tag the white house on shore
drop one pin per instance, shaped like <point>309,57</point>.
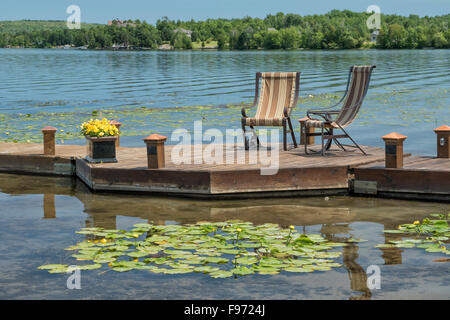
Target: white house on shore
<point>374,36</point>
<point>186,32</point>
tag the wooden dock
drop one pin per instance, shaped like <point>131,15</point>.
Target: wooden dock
<point>297,174</point>
<point>421,178</point>
<point>28,158</point>
<point>338,173</point>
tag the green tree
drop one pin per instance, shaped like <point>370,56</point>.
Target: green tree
<point>181,41</point>
<point>290,38</point>
<point>272,40</point>
<point>439,40</point>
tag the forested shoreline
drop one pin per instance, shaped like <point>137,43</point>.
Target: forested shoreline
<point>334,30</point>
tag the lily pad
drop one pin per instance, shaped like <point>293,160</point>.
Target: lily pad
<point>122,269</point>
<point>221,274</point>
<point>203,247</point>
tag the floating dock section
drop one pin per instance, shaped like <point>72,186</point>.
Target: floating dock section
<point>297,174</point>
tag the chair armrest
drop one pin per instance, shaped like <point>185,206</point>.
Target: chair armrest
<point>243,112</point>
<point>326,114</point>
<point>324,111</point>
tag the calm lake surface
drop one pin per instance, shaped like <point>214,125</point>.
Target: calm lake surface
<point>39,217</point>
<point>162,91</point>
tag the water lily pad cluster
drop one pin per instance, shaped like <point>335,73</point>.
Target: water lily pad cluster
<point>431,234</point>
<point>220,249</point>
<point>394,107</point>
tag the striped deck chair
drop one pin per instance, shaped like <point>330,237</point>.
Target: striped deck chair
<point>275,100</point>
<point>357,85</point>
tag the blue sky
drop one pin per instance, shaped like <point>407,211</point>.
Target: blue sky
<point>100,11</point>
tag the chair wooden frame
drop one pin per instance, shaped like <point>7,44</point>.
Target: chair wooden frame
<point>328,124</point>
<point>285,120</point>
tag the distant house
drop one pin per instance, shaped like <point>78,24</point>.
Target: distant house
<point>165,46</point>
<point>374,35</point>
<point>120,23</point>
<point>186,32</point>
<point>120,46</point>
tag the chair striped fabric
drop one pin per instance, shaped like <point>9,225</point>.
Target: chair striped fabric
<point>357,86</point>
<point>275,100</point>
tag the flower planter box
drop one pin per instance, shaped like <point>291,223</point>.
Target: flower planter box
<point>101,149</point>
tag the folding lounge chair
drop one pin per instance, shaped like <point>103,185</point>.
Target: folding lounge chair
<point>357,85</point>
<point>275,101</point>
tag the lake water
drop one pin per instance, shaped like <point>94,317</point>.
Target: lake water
<point>161,91</point>
<point>40,215</point>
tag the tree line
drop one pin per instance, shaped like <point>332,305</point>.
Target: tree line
<point>334,30</point>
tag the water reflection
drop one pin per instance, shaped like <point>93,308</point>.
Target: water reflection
<point>356,274</point>
<point>391,255</point>
<point>337,219</point>
<point>49,206</point>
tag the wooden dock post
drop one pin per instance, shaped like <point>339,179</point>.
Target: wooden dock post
<point>117,124</point>
<point>155,151</point>
<point>443,141</point>
<point>394,149</point>
<point>303,128</point>
<point>49,140</point>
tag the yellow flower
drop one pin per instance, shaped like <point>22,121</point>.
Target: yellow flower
<point>416,222</point>
<point>238,229</point>
<point>291,227</point>
<point>103,240</point>
<point>135,235</point>
<point>98,128</point>
<point>136,260</point>
<point>443,248</point>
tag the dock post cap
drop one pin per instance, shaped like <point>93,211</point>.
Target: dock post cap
<point>115,123</point>
<point>155,138</point>
<point>48,129</point>
<point>394,136</point>
<point>442,129</point>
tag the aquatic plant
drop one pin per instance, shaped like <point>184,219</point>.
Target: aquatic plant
<point>220,249</point>
<point>394,107</point>
<point>430,234</point>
